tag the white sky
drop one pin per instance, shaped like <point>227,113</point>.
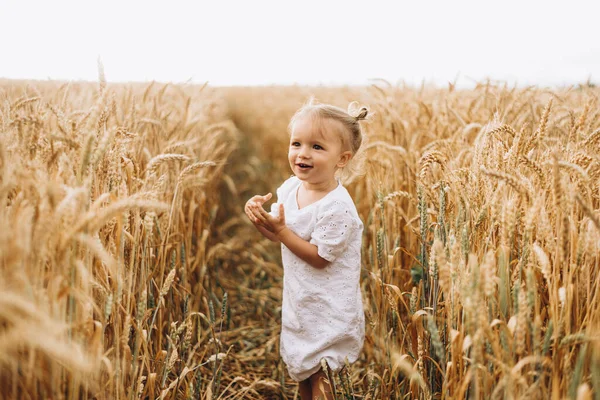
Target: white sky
<point>309,42</point>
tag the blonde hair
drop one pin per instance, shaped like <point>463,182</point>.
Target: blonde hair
<point>351,134</point>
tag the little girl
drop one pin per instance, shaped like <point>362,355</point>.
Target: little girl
<point>320,233</point>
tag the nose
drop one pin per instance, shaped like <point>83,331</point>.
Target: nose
<point>303,152</point>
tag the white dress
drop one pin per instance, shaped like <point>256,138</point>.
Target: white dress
<point>322,310</point>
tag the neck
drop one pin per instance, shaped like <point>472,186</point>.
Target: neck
<point>325,186</point>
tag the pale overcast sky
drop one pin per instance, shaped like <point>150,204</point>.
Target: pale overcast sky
<point>308,42</point>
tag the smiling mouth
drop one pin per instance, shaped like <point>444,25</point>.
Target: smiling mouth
<point>304,166</point>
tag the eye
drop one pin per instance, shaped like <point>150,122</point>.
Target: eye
<point>295,144</point>
<point>317,147</point>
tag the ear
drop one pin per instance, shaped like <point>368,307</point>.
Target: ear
<point>344,158</point>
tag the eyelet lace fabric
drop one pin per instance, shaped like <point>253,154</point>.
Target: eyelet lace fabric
<point>322,310</point>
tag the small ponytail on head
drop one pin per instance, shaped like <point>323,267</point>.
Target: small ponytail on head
<point>359,113</point>
<point>363,114</point>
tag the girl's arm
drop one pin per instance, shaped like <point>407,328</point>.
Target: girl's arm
<point>267,233</point>
<point>259,201</point>
<point>303,249</point>
<point>300,247</point>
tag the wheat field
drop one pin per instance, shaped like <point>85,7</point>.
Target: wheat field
<point>128,269</point>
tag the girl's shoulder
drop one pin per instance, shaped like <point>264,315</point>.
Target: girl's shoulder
<point>338,202</point>
<point>287,186</point>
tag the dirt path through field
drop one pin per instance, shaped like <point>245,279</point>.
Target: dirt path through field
<point>248,268</point>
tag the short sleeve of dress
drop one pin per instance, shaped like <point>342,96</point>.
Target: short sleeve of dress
<point>332,230</point>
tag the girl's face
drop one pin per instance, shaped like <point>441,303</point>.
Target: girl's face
<point>316,151</point>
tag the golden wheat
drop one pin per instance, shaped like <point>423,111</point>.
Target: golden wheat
<point>125,238</point>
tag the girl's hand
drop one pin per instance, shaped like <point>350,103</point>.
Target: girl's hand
<point>254,202</point>
<point>271,223</point>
